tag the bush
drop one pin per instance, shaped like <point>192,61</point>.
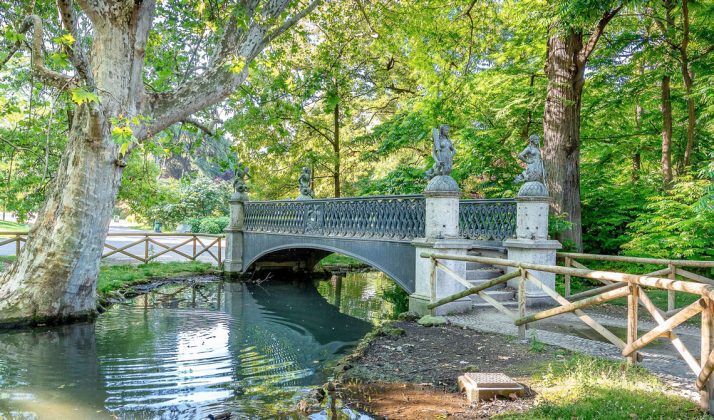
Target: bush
<point>676,224</point>
<point>213,225</point>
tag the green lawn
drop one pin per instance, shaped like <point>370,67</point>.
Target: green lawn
<point>116,276</point>
<point>13,227</point>
<point>585,387</point>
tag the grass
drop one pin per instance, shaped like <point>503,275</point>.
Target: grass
<point>116,276</point>
<point>586,387</point>
<point>13,227</point>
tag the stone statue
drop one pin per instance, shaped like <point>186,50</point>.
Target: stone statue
<point>240,174</point>
<point>534,174</point>
<point>443,152</point>
<point>304,184</point>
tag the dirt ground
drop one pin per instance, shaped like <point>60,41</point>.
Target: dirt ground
<point>414,375</point>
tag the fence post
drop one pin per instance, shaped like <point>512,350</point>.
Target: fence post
<point>671,302</point>
<point>194,247</point>
<point>219,251</point>
<point>522,303</point>
<point>706,395</point>
<point>567,278</point>
<point>432,281</point>
<point>632,305</point>
<point>17,245</point>
<point>146,248</point>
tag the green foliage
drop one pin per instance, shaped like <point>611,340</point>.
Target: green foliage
<point>213,225</point>
<point>398,297</point>
<point>593,388</point>
<point>678,223</point>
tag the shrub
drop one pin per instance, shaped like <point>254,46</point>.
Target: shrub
<point>209,226</point>
<point>213,225</point>
<point>676,224</point>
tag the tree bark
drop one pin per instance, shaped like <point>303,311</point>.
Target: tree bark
<point>666,132</point>
<point>336,150</point>
<point>688,85</point>
<point>566,58</point>
<point>54,277</point>
<point>561,131</point>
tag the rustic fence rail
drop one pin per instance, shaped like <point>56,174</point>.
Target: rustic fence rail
<point>632,286</point>
<point>673,268</point>
<point>191,247</point>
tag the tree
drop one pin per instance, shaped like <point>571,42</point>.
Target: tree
<point>54,277</point>
<point>567,56</point>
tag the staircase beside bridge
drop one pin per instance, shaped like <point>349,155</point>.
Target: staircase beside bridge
<point>477,273</point>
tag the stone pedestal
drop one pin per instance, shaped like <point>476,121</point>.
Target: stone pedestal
<point>233,262</point>
<point>445,284</point>
<point>533,246</point>
<point>441,228</point>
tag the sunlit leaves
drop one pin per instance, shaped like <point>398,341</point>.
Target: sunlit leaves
<point>83,95</point>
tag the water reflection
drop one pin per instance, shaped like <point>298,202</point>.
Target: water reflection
<point>186,351</point>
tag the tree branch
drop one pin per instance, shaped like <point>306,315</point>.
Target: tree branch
<point>226,73</point>
<point>595,36</point>
<point>200,125</point>
<point>47,76</point>
<point>290,22</point>
<point>75,51</point>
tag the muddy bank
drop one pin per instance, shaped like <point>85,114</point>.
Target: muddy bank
<point>413,374</point>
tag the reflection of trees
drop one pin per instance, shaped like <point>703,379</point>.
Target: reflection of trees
<point>160,355</point>
<point>360,295</point>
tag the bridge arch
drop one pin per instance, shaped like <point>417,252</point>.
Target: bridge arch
<point>395,259</point>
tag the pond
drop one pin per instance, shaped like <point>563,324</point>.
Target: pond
<point>187,350</point>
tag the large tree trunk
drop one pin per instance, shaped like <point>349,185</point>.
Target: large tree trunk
<point>54,278</point>
<point>336,150</point>
<point>666,132</point>
<point>561,130</point>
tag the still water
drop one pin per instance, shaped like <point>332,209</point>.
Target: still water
<point>190,350</point>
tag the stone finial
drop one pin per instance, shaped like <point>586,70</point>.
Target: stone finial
<point>240,174</point>
<point>304,184</point>
<point>443,152</point>
<point>533,176</point>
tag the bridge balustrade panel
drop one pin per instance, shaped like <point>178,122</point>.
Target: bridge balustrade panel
<point>488,220</point>
<point>398,218</point>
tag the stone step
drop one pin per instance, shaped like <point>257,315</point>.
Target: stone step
<point>510,304</point>
<point>483,274</point>
<point>477,266</point>
<point>501,295</point>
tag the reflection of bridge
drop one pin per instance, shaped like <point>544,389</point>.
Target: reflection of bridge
<point>379,231</point>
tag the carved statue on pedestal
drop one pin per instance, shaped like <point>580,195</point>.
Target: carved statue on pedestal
<point>534,174</point>
<point>443,152</point>
<point>240,174</point>
<point>304,184</point>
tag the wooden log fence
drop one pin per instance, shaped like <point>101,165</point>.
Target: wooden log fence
<point>194,242</point>
<point>673,269</point>
<point>615,285</point>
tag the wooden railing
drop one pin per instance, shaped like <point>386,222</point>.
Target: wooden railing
<point>632,286</point>
<point>196,244</point>
<point>673,269</point>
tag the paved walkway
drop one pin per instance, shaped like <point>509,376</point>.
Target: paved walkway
<point>567,331</point>
<point>120,241</point>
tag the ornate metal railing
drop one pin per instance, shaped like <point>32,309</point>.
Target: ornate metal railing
<point>381,217</point>
<point>487,219</point>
